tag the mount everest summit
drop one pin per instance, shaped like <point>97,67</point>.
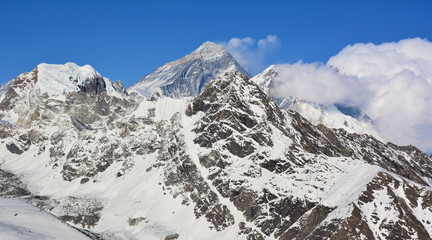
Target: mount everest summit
<point>206,153</point>
<point>189,75</point>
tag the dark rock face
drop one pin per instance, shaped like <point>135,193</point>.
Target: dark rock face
<point>308,223</point>
<point>95,85</point>
<point>135,221</point>
<point>172,236</point>
<point>11,186</point>
<point>79,125</point>
<point>13,148</point>
<point>85,221</point>
<point>120,88</point>
<point>89,108</point>
<point>91,235</point>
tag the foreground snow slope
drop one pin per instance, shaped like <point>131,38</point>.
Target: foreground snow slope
<point>20,220</point>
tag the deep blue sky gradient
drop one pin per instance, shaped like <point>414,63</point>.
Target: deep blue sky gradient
<point>128,39</point>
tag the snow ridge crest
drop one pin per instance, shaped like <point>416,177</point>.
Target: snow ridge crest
<point>61,78</point>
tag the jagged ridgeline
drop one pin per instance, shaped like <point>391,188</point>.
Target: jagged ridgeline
<point>198,150</point>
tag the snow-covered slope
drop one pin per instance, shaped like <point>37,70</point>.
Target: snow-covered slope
<point>4,87</point>
<point>227,164</point>
<point>188,76</point>
<point>20,220</point>
<point>349,118</point>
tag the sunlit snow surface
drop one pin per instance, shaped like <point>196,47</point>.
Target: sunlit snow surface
<point>22,221</point>
<point>58,78</point>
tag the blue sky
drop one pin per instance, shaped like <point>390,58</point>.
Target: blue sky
<point>128,39</point>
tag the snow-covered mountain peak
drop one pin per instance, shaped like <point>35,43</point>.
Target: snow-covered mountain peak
<point>55,83</point>
<point>189,75</point>
<point>210,49</point>
<point>61,78</point>
<point>265,78</point>
<point>71,65</point>
<point>205,52</point>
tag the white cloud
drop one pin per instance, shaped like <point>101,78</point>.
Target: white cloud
<point>317,83</point>
<point>391,82</point>
<point>251,54</point>
<point>241,42</point>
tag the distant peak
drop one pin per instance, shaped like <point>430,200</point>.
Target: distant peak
<point>210,48</point>
<point>189,75</point>
<point>209,44</point>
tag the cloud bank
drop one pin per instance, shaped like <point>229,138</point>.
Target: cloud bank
<point>391,82</point>
<point>318,83</point>
<point>251,54</point>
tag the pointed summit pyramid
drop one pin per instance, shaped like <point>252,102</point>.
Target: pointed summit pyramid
<point>188,76</point>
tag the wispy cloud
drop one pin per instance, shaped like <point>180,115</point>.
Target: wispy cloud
<point>253,55</point>
<point>391,82</point>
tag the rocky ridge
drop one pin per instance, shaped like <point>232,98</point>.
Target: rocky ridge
<point>314,149</point>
